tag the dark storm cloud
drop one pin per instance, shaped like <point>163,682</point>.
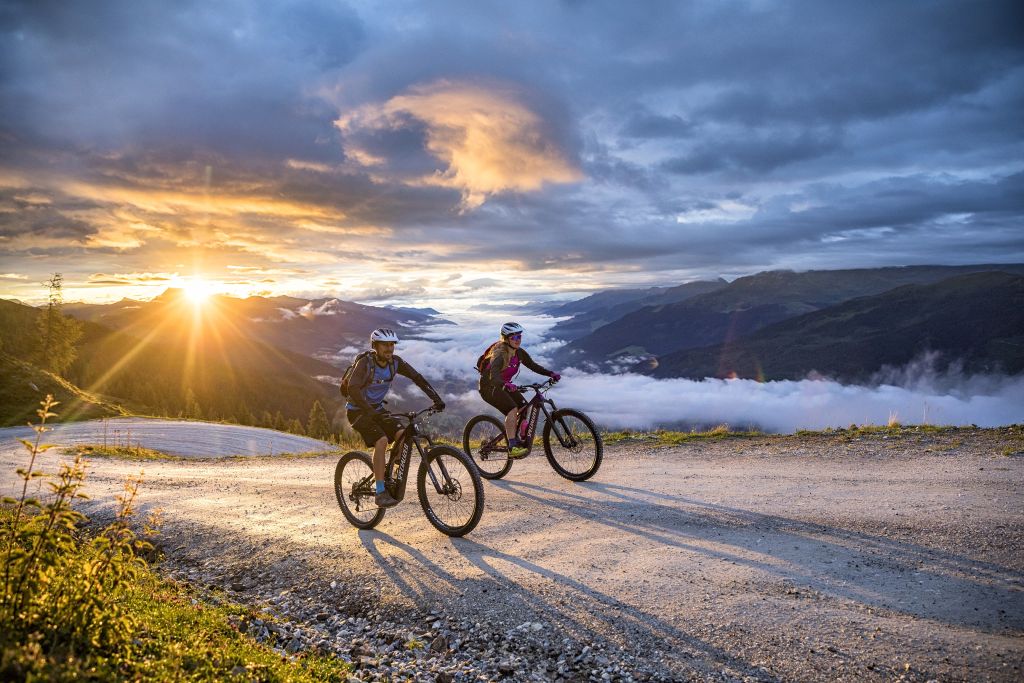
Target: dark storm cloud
<point>648,125</point>
<point>755,154</point>
<point>209,76</point>
<point>721,135</point>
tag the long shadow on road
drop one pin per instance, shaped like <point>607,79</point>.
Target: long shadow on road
<point>872,570</point>
<point>572,607</point>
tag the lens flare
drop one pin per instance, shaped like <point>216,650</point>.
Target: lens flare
<point>197,290</point>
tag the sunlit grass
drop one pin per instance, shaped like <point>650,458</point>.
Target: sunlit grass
<point>664,437</point>
<point>122,452</point>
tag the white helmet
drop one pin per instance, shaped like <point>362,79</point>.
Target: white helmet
<point>511,328</point>
<point>383,334</point>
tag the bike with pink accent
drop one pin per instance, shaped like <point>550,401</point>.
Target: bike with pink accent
<point>571,442</point>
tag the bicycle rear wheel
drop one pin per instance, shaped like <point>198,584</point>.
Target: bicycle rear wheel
<point>572,444</point>
<point>485,442</point>
<point>451,491</point>
<point>354,488</point>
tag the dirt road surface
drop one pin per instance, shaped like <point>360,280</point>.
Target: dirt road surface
<point>822,557</point>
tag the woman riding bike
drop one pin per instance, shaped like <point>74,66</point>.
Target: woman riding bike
<point>498,367</point>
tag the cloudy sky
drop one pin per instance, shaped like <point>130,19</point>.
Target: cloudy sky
<point>500,150</point>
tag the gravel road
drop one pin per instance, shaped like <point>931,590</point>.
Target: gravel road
<point>822,557</point>
<point>186,439</point>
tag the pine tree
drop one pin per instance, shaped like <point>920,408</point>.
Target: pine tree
<point>58,333</point>
<point>192,408</point>
<point>295,427</point>
<point>279,422</point>
<point>317,426</point>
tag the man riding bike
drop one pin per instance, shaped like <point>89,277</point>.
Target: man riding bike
<point>499,366</point>
<point>371,380</point>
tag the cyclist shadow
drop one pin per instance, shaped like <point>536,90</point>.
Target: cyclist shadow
<point>869,569</point>
<point>419,579</point>
<point>422,580</point>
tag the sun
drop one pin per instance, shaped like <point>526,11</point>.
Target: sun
<point>197,290</point>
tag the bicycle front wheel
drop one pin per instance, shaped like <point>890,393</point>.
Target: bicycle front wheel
<point>485,442</point>
<point>572,444</point>
<point>354,488</point>
<point>451,491</point>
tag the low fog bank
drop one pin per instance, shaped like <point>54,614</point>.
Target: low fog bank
<point>914,394</point>
<point>636,401</point>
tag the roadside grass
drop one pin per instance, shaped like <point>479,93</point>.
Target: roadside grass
<point>662,437</point>
<point>890,429</point>
<point>123,452</point>
<point>81,603</point>
<point>182,637</point>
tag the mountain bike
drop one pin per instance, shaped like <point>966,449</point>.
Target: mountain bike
<point>571,442</point>
<point>448,484</point>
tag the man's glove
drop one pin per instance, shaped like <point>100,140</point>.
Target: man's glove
<point>438,405</point>
<point>555,377</point>
<point>509,387</point>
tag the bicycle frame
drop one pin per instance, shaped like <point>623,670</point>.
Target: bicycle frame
<point>396,470</point>
<point>534,407</point>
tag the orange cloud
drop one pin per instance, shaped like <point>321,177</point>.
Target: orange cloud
<point>489,140</point>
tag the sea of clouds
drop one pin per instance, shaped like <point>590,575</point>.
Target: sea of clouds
<point>915,394</point>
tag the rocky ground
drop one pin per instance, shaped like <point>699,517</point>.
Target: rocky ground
<point>846,556</point>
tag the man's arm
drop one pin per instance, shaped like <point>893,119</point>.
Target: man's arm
<point>409,371</point>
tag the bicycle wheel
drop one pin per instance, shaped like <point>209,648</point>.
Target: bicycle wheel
<point>451,491</point>
<point>354,488</point>
<point>576,450</point>
<point>485,443</point>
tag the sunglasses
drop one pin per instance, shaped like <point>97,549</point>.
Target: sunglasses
<point>515,337</point>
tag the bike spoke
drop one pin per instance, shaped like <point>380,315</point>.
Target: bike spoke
<point>452,506</point>
<point>573,445</point>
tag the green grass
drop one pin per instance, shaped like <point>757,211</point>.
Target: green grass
<point>663,437</point>
<point>893,429</point>
<point>123,452</point>
<point>176,636</point>
<point>182,637</point>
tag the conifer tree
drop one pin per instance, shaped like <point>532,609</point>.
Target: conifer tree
<point>317,426</point>
<point>57,332</point>
<point>295,427</point>
<point>192,408</point>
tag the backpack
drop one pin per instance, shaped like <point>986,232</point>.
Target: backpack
<point>481,362</point>
<point>346,379</point>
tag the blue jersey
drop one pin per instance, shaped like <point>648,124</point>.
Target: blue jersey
<point>378,387</point>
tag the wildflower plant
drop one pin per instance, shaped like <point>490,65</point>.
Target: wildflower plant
<point>62,591</point>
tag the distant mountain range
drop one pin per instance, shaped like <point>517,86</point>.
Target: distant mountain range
<point>597,310</point>
<point>975,321</point>
<point>657,336</point>
<point>240,360</point>
<point>312,327</point>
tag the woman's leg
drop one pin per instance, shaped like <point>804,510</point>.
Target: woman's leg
<point>512,424</point>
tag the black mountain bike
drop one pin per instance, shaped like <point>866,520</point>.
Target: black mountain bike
<point>448,484</point>
<point>571,441</point>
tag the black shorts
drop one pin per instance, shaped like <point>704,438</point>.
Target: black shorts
<point>372,426</point>
<point>504,401</point>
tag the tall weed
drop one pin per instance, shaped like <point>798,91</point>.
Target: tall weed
<point>63,590</point>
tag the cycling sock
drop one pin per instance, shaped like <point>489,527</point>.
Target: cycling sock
<point>380,487</point>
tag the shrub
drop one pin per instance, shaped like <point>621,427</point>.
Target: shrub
<point>62,591</point>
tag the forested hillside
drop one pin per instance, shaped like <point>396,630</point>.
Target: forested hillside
<point>976,321</point>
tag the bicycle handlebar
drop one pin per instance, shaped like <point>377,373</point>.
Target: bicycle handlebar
<point>413,415</point>
<point>538,387</point>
